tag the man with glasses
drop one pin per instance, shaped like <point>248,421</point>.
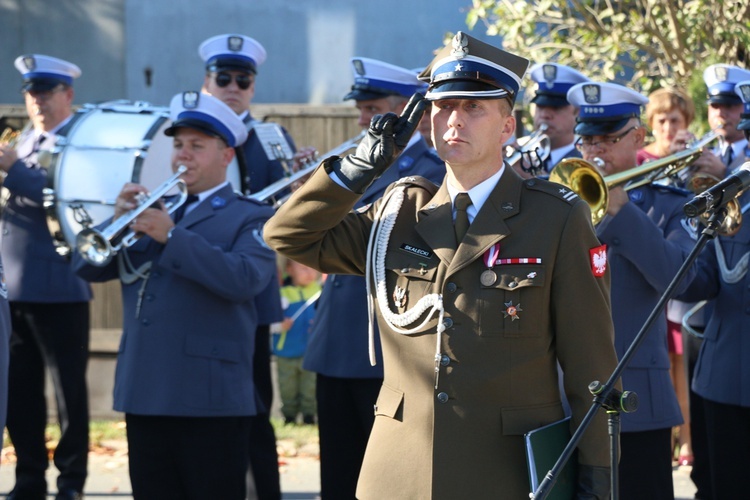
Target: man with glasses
<point>231,68</point>
<point>647,239</point>
<point>49,304</point>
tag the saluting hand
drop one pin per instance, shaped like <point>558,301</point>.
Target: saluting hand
<point>386,138</point>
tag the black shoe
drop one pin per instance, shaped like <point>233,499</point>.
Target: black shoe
<point>290,421</point>
<point>308,419</point>
<point>69,495</point>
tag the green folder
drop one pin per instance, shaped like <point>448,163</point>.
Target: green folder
<point>543,448</point>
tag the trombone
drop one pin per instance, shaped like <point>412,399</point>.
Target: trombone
<point>97,248</point>
<point>583,178</point>
<point>270,191</point>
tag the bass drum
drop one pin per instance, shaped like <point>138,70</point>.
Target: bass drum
<point>104,147</point>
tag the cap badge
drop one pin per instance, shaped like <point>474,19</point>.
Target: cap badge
<point>458,67</point>
<point>460,46</point>
<point>745,89</point>
<point>29,62</point>
<point>512,311</point>
<point>190,99</point>
<point>550,74</point>
<point>234,43</point>
<point>359,67</point>
<point>592,93</point>
<point>722,73</point>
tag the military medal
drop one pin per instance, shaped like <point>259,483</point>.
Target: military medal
<point>488,277</point>
<point>512,311</point>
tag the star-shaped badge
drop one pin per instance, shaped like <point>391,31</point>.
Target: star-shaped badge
<point>512,311</point>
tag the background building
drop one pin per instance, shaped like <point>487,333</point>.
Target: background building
<point>147,50</point>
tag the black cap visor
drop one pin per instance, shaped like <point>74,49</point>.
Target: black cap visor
<point>601,127</point>
<point>198,125</point>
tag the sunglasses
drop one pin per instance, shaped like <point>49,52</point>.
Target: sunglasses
<point>224,79</point>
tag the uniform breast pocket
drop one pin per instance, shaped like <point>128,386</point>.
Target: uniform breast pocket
<point>409,279</point>
<point>515,305</point>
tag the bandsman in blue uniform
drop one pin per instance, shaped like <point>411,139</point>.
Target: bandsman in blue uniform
<point>723,366</point>
<point>184,376</point>
<point>49,303</point>
<point>724,115</point>
<point>347,385</point>
<point>647,239</point>
<point>232,63</point>
<point>552,109</point>
<point>473,314</point>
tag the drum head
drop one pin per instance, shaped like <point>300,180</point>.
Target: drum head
<point>107,146</point>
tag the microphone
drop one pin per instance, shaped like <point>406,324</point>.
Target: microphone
<point>721,193</point>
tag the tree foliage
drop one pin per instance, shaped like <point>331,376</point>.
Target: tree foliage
<point>644,44</point>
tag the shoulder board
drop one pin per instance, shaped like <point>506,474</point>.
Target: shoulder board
<point>416,181</point>
<point>668,188</point>
<point>554,189</point>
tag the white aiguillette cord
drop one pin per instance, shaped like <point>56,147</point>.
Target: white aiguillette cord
<point>375,275</point>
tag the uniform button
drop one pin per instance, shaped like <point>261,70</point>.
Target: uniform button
<point>176,265</point>
<point>442,397</point>
<point>337,283</point>
<point>155,274</point>
<point>150,297</point>
<point>145,322</point>
<point>445,360</point>
<point>447,322</point>
<point>451,287</point>
<point>616,241</point>
<point>512,284</point>
<point>405,270</point>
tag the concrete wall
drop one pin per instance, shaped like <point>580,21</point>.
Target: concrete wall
<point>147,49</point>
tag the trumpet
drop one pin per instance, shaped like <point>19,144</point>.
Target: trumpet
<point>535,148</point>
<point>270,191</point>
<point>9,137</point>
<point>583,178</point>
<point>97,247</point>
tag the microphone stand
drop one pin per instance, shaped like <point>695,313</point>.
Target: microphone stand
<point>607,395</point>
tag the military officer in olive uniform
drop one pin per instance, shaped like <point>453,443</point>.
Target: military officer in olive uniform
<point>647,238</point>
<point>346,384</point>
<point>473,316</point>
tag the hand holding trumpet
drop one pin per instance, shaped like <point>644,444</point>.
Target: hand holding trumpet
<point>154,222</point>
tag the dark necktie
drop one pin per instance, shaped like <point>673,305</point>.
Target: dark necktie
<point>728,155</point>
<point>461,225</point>
<point>180,212</point>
